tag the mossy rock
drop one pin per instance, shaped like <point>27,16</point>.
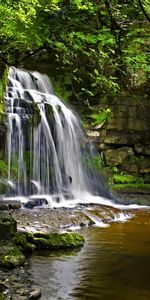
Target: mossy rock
<point>12,259</point>
<point>28,242</point>
<point>24,241</point>
<point>8,226</point>
<point>58,241</point>
<point>2,297</point>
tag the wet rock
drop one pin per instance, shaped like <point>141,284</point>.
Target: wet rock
<point>8,226</point>
<point>35,202</point>
<point>39,240</point>
<point>9,204</point>
<point>35,294</point>
<point>57,240</point>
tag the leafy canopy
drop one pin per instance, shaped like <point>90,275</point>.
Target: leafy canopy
<point>96,46</point>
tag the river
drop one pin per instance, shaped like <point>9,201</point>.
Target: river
<point>113,264</point>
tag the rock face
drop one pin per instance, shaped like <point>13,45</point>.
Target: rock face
<point>118,156</point>
<point>125,138</point>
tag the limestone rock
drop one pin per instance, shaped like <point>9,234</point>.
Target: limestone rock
<point>117,156</point>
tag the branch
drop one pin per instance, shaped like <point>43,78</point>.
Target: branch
<point>33,52</point>
<point>143,10</point>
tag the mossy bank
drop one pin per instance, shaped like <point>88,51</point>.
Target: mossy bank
<point>25,242</point>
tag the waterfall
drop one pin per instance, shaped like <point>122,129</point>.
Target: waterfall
<point>45,156</point>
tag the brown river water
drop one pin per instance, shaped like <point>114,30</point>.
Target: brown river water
<point>114,264</point>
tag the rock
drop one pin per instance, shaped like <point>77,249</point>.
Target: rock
<point>118,156</point>
<point>35,202</point>
<point>104,146</point>
<point>142,149</point>
<point>2,287</point>
<point>9,204</point>
<point>24,240</point>
<point>144,165</point>
<point>56,241</point>
<point>8,226</point>
<point>130,167</point>
<point>28,242</point>
<point>93,133</point>
<point>12,259</point>
<point>35,294</point>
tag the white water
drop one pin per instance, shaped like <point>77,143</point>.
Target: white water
<point>55,168</point>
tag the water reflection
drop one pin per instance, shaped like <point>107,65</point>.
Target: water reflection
<point>114,264</point>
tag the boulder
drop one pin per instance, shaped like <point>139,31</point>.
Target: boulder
<point>35,202</point>
<point>116,157</point>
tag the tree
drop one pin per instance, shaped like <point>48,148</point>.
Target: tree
<point>96,46</point>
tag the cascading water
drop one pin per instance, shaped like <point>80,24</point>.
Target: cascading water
<point>44,158</point>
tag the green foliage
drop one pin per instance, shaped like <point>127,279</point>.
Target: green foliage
<point>3,82</point>
<point>3,169</point>
<point>97,162</point>
<point>101,46</point>
<point>123,181</point>
<point>101,116</point>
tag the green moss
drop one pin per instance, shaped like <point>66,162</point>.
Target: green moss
<point>58,241</point>
<point>2,297</point>
<point>126,178</point>
<point>3,169</point>
<point>131,186</point>
<point>12,259</point>
<point>3,82</point>
<point>28,242</point>
<point>36,117</point>
<point>22,241</point>
<point>126,181</point>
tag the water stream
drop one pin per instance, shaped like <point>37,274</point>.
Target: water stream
<point>114,264</point>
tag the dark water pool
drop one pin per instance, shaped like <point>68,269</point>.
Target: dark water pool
<point>113,265</point>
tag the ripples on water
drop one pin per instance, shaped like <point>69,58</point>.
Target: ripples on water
<point>113,264</point>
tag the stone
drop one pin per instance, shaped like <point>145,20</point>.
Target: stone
<point>8,226</point>
<point>9,204</point>
<point>104,146</point>
<point>54,241</point>
<point>142,149</point>
<point>93,133</point>
<point>35,294</point>
<point>144,165</point>
<point>130,167</point>
<point>35,202</point>
<point>12,259</point>
<point>116,139</point>
<point>117,156</point>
